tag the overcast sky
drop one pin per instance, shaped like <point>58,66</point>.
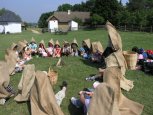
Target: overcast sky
<point>30,10</point>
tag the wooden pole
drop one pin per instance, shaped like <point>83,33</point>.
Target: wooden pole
<point>125,28</point>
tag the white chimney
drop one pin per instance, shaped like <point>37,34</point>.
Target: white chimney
<point>69,12</point>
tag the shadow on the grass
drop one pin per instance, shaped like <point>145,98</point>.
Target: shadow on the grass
<point>29,107</point>
<point>75,111</point>
<point>93,64</point>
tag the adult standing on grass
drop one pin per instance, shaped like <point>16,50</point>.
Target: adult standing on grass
<point>112,101</point>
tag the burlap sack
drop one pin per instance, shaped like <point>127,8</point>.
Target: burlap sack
<point>51,41</point>
<point>26,83</point>
<point>131,59</point>
<point>75,42</point>
<point>57,43</point>
<point>21,45</point>
<point>94,47</point>
<point>53,76</point>
<point>100,47</point>
<point>102,102</point>
<point>33,40</point>
<point>97,46</point>
<point>66,42</point>
<point>114,36</point>
<point>4,80</point>
<point>109,99</point>
<point>42,97</point>
<point>112,76</point>
<point>12,53</point>
<point>87,42</point>
<point>42,42</point>
<point>13,46</point>
<point>11,60</point>
<point>117,59</point>
<point>25,41</point>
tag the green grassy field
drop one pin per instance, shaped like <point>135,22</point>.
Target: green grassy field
<point>76,69</point>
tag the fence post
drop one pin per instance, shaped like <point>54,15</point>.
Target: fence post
<point>132,28</point>
<point>140,28</point>
<point>125,28</point>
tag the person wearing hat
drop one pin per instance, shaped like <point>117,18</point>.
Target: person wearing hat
<point>33,46</point>
<point>57,49</point>
<point>85,50</point>
<point>14,47</point>
<point>27,54</point>
<point>74,48</point>
<point>50,48</point>
<point>42,50</point>
<point>84,97</point>
<point>66,49</point>
<point>113,77</point>
<point>97,50</point>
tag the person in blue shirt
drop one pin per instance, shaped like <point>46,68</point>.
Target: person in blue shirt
<point>33,46</point>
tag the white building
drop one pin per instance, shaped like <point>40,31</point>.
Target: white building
<point>53,25</point>
<point>66,20</point>
<point>73,25</point>
<point>10,23</point>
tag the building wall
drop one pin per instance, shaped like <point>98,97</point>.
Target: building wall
<point>13,27</point>
<point>63,26</point>
<point>52,25</point>
<point>1,29</point>
<point>73,25</point>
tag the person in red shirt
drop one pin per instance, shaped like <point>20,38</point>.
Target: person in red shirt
<point>57,50</point>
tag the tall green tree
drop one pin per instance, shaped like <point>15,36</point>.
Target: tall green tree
<point>135,5</point>
<point>42,23</point>
<point>64,7</point>
<point>106,8</point>
<point>96,20</point>
<point>150,18</point>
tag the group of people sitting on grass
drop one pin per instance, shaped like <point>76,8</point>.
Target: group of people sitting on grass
<point>104,98</point>
<point>87,50</point>
<point>145,59</point>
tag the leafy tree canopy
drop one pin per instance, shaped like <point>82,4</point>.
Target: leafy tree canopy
<point>42,23</point>
<point>64,7</point>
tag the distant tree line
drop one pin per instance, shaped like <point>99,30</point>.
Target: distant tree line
<point>134,13</point>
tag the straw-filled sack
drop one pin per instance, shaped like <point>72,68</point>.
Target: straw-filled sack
<point>131,59</point>
<point>21,45</point>
<point>97,46</point>
<point>4,80</point>
<point>87,42</point>
<point>11,60</point>
<point>26,83</point>
<point>53,76</point>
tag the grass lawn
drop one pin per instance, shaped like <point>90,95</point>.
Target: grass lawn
<point>76,69</point>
